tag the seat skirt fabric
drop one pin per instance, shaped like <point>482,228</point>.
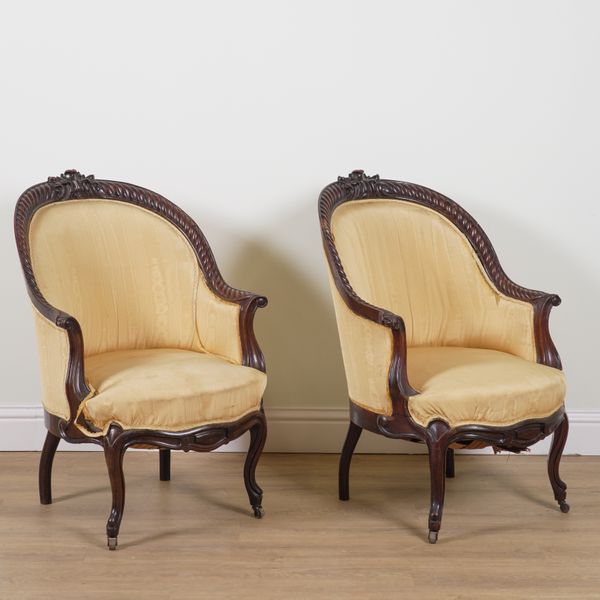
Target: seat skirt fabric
<point>169,389</point>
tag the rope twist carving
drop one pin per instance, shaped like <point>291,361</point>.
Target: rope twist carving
<point>73,185</point>
<point>358,186</point>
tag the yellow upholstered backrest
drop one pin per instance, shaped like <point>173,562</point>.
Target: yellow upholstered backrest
<point>411,260</point>
<point>128,276</point>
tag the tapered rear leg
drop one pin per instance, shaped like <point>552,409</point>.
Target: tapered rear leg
<point>559,439</point>
<point>352,438</point>
<point>258,436</point>
<point>45,471</point>
<point>450,463</point>
<point>164,459</point>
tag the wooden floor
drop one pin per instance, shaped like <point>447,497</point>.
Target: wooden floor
<point>193,537</point>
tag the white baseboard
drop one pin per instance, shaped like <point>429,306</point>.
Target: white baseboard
<point>294,430</point>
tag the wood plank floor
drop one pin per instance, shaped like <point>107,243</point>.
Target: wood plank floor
<point>193,537</point>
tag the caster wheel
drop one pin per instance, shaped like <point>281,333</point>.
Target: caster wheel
<point>564,507</point>
<point>433,536</point>
<point>259,512</point>
<point>112,543</point>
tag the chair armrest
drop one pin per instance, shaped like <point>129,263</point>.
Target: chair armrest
<point>398,384</point>
<point>76,388</point>
<point>232,335</point>
<point>542,302</point>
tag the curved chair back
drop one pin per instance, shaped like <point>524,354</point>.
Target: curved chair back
<point>119,259</point>
<point>122,268</point>
<point>412,259</point>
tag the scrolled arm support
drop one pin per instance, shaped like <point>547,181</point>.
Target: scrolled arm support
<point>546,351</point>
<point>252,355</point>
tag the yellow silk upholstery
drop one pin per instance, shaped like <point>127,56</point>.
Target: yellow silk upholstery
<point>471,349</point>
<point>367,351</point>
<point>53,351</point>
<point>414,262</point>
<point>169,389</point>
<point>162,348</point>
<point>130,278</point>
<point>468,385</point>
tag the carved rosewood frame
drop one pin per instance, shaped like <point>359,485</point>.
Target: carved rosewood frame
<point>438,435</point>
<point>73,185</point>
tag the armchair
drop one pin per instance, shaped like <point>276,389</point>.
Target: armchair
<point>141,342</point>
<point>439,345</point>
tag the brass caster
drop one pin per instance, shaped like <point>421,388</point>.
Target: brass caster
<point>433,536</point>
<point>112,543</point>
<point>259,511</point>
<point>564,507</point>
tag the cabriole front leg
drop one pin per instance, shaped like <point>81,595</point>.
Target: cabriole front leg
<point>258,435</point>
<point>114,453</point>
<point>437,444</point>
<point>559,439</point>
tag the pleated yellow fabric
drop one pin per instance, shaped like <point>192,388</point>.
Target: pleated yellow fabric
<point>464,386</point>
<point>412,261</point>
<point>53,346</point>
<point>169,389</point>
<point>130,278</point>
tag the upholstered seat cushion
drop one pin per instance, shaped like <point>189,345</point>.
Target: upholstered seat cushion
<point>472,386</point>
<point>169,389</point>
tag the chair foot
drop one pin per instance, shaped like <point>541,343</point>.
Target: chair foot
<point>111,542</point>
<point>564,507</point>
<point>259,511</point>
<point>432,537</point>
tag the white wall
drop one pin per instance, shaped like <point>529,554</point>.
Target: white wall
<point>241,112</point>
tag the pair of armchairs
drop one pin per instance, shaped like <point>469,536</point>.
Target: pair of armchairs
<point>142,343</point>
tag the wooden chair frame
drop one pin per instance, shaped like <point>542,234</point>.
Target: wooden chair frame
<point>74,185</point>
<point>438,435</point>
